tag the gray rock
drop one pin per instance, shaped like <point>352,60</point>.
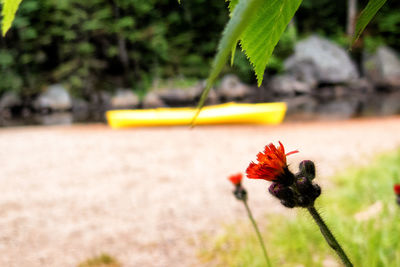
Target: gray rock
<point>363,86</point>
<point>186,96</point>
<point>196,91</point>
<point>371,105</point>
<point>301,105</point>
<point>124,98</point>
<point>288,85</point>
<point>175,97</point>
<point>382,67</point>
<point>304,71</point>
<point>152,100</point>
<point>329,93</point>
<point>59,118</point>
<point>101,99</point>
<point>55,98</point>
<point>233,89</point>
<point>79,105</point>
<point>5,114</point>
<point>339,108</point>
<point>81,110</point>
<point>391,104</point>
<point>9,100</point>
<point>318,59</point>
<point>212,97</point>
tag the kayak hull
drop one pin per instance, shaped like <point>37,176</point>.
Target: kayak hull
<point>229,113</point>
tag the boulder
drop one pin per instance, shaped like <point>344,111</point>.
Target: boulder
<point>391,104</point>
<point>79,105</point>
<point>233,89</point>
<point>300,105</point>
<point>176,97</point>
<point>152,100</point>
<point>55,98</point>
<point>59,118</point>
<point>318,59</point>
<point>339,108</point>
<point>304,71</point>
<point>372,105</point>
<point>10,100</point>
<point>363,86</point>
<point>330,93</point>
<point>124,98</point>
<point>101,99</point>
<point>196,91</point>
<point>382,67</point>
<point>186,96</point>
<point>81,110</point>
<point>288,85</point>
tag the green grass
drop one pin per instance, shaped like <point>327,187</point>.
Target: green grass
<point>103,260</point>
<point>296,240</point>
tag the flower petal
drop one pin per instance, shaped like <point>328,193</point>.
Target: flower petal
<point>271,163</point>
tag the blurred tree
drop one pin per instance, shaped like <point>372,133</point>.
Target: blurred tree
<point>105,44</point>
<point>351,17</point>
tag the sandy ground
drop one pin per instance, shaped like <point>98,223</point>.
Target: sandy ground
<point>145,196</point>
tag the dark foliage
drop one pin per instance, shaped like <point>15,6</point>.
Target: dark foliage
<point>105,44</point>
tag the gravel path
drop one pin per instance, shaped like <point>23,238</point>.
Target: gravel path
<point>146,195</point>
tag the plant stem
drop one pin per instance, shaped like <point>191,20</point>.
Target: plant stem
<point>330,239</point>
<point>258,233</point>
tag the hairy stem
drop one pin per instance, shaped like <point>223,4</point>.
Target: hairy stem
<point>258,233</point>
<point>330,239</point>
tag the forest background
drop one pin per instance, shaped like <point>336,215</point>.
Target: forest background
<point>103,45</point>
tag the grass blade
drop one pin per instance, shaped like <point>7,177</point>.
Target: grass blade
<point>366,16</point>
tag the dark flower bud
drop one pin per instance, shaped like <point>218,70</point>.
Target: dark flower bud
<point>281,191</point>
<point>307,169</point>
<point>286,178</point>
<point>317,191</point>
<point>288,203</point>
<point>304,201</point>
<point>240,193</point>
<point>304,186</point>
<point>398,200</point>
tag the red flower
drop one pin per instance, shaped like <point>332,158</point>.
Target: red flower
<point>236,179</point>
<point>396,189</point>
<point>271,164</point>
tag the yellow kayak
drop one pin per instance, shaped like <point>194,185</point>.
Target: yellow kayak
<point>229,113</point>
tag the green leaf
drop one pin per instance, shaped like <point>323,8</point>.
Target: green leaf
<point>258,25</point>
<point>233,53</point>
<point>232,5</point>
<point>366,15</point>
<point>265,29</point>
<point>9,9</point>
<point>241,17</point>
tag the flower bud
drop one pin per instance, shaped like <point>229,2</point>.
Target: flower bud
<point>307,169</point>
<point>304,201</point>
<point>286,178</point>
<point>240,193</point>
<point>398,200</point>
<point>288,203</point>
<point>308,191</point>
<point>281,191</point>
<point>317,191</point>
<point>304,186</point>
